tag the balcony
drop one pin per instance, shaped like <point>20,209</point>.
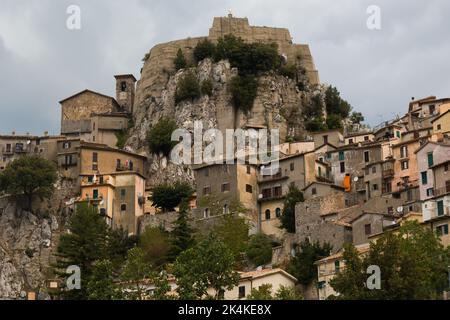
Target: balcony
<point>388,173</point>
<point>275,177</point>
<point>124,167</point>
<point>441,191</point>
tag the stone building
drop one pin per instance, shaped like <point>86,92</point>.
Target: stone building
<point>369,223</point>
<point>358,137</point>
<point>125,92</point>
<point>441,124</point>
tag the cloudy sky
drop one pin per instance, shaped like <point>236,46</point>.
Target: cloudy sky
<point>377,71</point>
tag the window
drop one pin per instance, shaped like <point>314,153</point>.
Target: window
<point>8,147</point>
<point>404,152</point>
<point>442,230</point>
<point>248,188</point>
<point>320,171</point>
<point>206,213</point>
<point>66,145</point>
<point>123,86</point>
<point>95,194</point>
<point>123,207</point>
<point>130,165</point>
<point>267,214</point>
<point>118,163</point>
<point>313,191</point>
<point>424,177</point>
<point>366,156</point>
<point>241,292</point>
<point>342,164</point>
<point>398,134</point>
<point>68,159</point>
<point>446,167</point>
<point>94,157</point>
<point>430,159</point>
<point>206,190</point>
<point>350,141</point>
<point>278,212</point>
<point>409,195</point>
<point>267,193</point>
<point>123,193</point>
<point>337,266</point>
<point>368,229</point>
<point>93,126</point>
<point>328,155</point>
<point>292,166</point>
<point>225,187</point>
<point>94,167</point>
<point>439,127</point>
<point>447,186</point>
<point>225,209</point>
<point>341,156</point>
<point>366,138</point>
<point>432,108</point>
<point>375,187</point>
<point>374,169</point>
<point>249,170</point>
<point>325,139</point>
<point>440,208</point>
<point>405,165</point>
<point>277,191</point>
<point>91,179</point>
<point>207,172</point>
<point>430,192</point>
<point>93,138</point>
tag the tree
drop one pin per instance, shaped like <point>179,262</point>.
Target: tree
<point>259,249</point>
<point>162,287</point>
<point>233,231</point>
<point>159,137</point>
<point>101,285</point>
<point>243,90</point>
<point>293,197</point>
<point>82,246</point>
<point>206,87</point>
<point>209,264</point>
<point>155,245</point>
<point>334,121</point>
<point>413,265</point>
<point>302,265</point>
<point>263,292</point>
<point>119,242</point>
<point>29,177</point>
<point>136,269</point>
<point>288,293</point>
<point>335,104</point>
<point>180,60</point>
<point>188,88</point>
<point>204,49</point>
<point>168,196</point>
<point>182,234</point>
<point>357,118</point>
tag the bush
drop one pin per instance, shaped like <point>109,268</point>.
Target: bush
<point>335,104</point>
<point>187,88</point>
<point>155,244</point>
<point>180,60</point>
<point>289,70</point>
<point>168,196</point>
<point>334,121</point>
<point>159,137</point>
<point>293,197</point>
<point>206,87</point>
<point>204,49</point>
<point>243,90</point>
<point>259,250</point>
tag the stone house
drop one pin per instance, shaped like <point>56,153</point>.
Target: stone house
<point>390,131</point>
<point>358,137</point>
<point>320,189</point>
<point>333,137</point>
<point>370,223</point>
<point>439,204</point>
<point>441,124</point>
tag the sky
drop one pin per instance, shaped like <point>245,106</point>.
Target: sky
<point>377,71</point>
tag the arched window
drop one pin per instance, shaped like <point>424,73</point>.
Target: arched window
<point>278,212</point>
<point>267,214</point>
<point>225,209</point>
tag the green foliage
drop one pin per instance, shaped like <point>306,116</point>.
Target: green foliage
<point>293,197</point>
<point>264,292</point>
<point>180,60</point>
<point>187,88</point>
<point>259,250</point>
<point>155,245</point>
<point>335,104</point>
<point>206,87</point>
<point>121,137</point>
<point>334,121</point>
<point>413,266</point>
<point>356,117</point>
<point>209,264</point>
<point>289,70</point>
<point>302,265</point>
<point>101,285</point>
<point>159,137</point>
<point>243,90</point>
<point>29,177</point>
<point>233,232</point>
<point>162,287</point>
<point>182,234</point>
<point>119,242</point>
<point>204,49</point>
<point>85,244</point>
<point>135,270</point>
<point>316,125</point>
<point>169,196</point>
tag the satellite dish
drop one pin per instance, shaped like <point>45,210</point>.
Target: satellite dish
<point>355,179</point>
<point>29,142</point>
<point>400,209</point>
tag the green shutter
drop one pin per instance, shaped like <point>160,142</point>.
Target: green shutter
<point>430,159</point>
<point>424,177</point>
<point>341,156</point>
<point>446,229</point>
<point>440,208</point>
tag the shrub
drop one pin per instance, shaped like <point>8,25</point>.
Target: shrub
<point>243,90</point>
<point>168,196</point>
<point>180,60</point>
<point>206,87</point>
<point>289,70</point>
<point>155,245</point>
<point>259,250</point>
<point>204,49</point>
<point>187,88</point>
<point>334,121</point>
<point>335,104</point>
<point>159,136</point>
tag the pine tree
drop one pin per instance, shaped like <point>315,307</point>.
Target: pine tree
<point>293,197</point>
<point>101,285</point>
<point>182,234</point>
<point>180,60</point>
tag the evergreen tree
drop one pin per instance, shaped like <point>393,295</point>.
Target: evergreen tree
<point>180,60</point>
<point>159,137</point>
<point>182,233</point>
<point>82,246</point>
<point>101,284</point>
<point>155,245</point>
<point>293,197</point>
<point>135,270</point>
<point>259,249</point>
